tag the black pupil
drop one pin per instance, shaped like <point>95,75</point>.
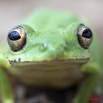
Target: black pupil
<point>87,33</point>
<point>14,35</point>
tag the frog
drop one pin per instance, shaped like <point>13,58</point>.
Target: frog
<point>54,49</point>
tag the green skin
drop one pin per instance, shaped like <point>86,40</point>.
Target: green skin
<point>52,56</point>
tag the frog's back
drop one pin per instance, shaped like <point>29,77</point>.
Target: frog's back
<point>49,19</point>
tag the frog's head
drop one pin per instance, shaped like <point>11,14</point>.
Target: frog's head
<point>29,45</point>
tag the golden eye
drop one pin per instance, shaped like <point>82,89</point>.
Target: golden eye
<point>16,38</point>
<point>85,36</point>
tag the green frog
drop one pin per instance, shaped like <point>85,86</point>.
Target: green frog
<point>51,49</point>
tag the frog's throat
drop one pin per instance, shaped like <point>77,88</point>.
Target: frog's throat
<point>56,73</point>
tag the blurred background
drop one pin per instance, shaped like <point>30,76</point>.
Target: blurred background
<point>12,12</point>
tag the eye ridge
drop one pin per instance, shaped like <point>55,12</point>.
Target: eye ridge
<point>14,35</point>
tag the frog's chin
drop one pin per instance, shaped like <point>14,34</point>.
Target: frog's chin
<point>55,73</point>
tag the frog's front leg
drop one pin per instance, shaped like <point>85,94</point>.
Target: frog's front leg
<point>94,74</point>
<point>6,91</point>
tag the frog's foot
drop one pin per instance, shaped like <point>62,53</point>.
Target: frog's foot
<point>89,84</point>
<point>6,90</point>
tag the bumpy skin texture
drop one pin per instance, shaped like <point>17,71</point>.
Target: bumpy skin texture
<point>52,55</point>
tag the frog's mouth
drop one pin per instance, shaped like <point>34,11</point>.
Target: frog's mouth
<point>49,61</point>
<point>41,66</point>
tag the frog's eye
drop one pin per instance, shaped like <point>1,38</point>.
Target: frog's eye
<point>85,36</point>
<point>16,38</point>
